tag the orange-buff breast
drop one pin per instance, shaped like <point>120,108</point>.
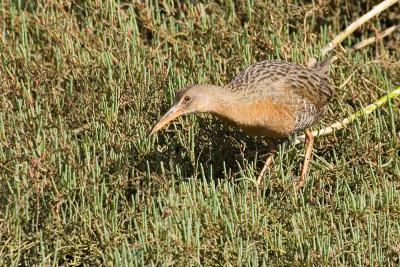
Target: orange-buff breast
<point>262,117</point>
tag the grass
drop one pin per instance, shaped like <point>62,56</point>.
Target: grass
<point>81,84</point>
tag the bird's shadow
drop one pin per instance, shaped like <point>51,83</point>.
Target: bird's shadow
<point>220,152</point>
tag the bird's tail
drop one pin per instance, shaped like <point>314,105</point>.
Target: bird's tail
<point>322,68</point>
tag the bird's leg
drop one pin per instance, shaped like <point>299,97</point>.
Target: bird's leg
<point>308,145</point>
<point>268,161</point>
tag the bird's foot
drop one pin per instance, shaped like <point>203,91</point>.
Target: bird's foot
<point>267,163</point>
<point>299,183</point>
<point>260,179</point>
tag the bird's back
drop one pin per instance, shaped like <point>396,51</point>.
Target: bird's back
<point>302,92</point>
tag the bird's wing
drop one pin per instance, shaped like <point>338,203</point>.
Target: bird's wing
<point>284,82</point>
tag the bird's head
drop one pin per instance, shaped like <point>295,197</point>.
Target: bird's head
<point>194,98</point>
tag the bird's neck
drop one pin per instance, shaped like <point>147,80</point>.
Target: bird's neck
<point>222,101</point>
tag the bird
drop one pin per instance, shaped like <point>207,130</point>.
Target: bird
<point>274,99</point>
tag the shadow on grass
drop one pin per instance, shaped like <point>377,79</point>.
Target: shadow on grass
<point>220,150</point>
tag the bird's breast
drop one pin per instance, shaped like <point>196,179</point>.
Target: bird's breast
<point>262,117</point>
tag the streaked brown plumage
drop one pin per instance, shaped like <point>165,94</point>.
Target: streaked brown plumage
<point>273,99</point>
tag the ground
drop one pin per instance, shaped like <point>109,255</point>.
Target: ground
<point>83,81</point>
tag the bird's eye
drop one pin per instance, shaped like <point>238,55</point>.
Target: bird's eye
<point>187,98</point>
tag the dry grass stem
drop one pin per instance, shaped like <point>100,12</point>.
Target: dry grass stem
<point>372,40</point>
<point>353,26</point>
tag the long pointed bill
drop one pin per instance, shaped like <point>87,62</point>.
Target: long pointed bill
<point>173,113</point>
